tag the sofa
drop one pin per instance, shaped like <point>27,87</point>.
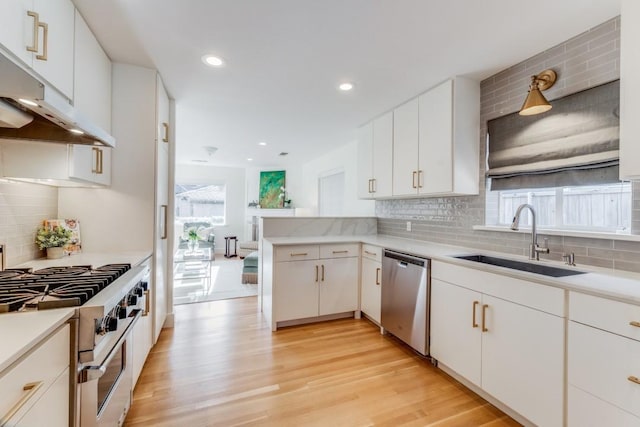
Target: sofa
<point>246,248</point>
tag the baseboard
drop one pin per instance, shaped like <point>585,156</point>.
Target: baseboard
<point>169,321</point>
<point>315,319</point>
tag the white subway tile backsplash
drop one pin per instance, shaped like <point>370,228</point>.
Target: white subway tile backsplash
<point>587,60</point>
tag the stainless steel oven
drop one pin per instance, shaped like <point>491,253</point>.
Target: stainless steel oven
<point>105,387</point>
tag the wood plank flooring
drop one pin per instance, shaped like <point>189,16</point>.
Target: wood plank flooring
<point>222,366</point>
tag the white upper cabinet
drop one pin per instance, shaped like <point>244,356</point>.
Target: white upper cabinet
<point>41,34</point>
<point>405,149</point>
<point>629,89</point>
<point>92,77</point>
<point>436,141</point>
<point>375,148</point>
<point>365,161</point>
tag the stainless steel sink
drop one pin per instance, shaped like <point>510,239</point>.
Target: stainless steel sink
<point>522,266</point>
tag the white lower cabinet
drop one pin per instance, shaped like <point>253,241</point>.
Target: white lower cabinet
<point>315,280</point>
<point>481,330</point>
<point>142,343</point>
<point>35,392</point>
<point>603,362</point>
<point>370,282</point>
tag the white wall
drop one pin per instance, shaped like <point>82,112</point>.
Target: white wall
<point>344,159</point>
<point>235,203</point>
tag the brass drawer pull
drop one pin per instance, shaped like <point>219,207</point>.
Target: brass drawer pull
<point>166,132</point>
<point>370,186</point>
<point>634,379</point>
<point>413,179</point>
<point>298,254</point>
<point>378,270</point>
<point>36,21</point>
<point>473,323</point>
<point>45,41</point>
<point>340,252</point>
<point>373,185</point>
<point>370,253</point>
<point>484,318</point>
<point>316,273</point>
<point>420,179</point>
<point>147,303</point>
<point>31,389</point>
<point>322,279</point>
<point>635,323</point>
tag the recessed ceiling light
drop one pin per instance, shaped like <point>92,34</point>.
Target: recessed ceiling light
<point>212,61</point>
<point>262,143</point>
<point>250,159</point>
<point>346,86</point>
<point>28,102</point>
<point>76,131</point>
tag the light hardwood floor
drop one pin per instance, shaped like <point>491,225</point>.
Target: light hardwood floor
<point>222,366</point>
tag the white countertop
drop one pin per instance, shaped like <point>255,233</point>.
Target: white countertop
<point>21,331</point>
<point>618,285</point>
<point>95,259</point>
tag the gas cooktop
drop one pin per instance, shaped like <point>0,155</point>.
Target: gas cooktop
<point>54,287</point>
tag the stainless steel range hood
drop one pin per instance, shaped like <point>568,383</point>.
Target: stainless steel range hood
<point>54,118</point>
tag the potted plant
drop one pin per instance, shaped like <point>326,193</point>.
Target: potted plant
<point>193,239</point>
<point>53,239</point>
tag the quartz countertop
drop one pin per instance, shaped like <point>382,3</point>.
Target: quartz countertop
<point>613,284</point>
<point>19,332</point>
<point>95,259</point>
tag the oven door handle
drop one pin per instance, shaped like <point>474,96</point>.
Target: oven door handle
<point>94,372</point>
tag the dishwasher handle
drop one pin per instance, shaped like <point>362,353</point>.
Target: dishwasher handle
<point>405,259</point>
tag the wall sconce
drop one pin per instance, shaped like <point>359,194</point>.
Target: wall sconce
<point>535,103</point>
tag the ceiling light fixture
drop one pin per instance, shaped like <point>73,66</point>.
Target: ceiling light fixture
<point>346,87</point>
<point>536,103</point>
<point>262,143</point>
<point>249,159</point>
<point>212,61</point>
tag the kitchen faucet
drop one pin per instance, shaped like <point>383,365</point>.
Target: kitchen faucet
<point>534,249</point>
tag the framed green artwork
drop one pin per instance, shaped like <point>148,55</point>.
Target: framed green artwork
<point>272,189</point>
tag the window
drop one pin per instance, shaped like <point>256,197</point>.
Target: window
<point>589,208</point>
<point>331,194</point>
<point>201,202</point>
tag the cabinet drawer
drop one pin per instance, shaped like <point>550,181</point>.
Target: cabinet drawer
<point>530,294</point>
<point>372,252</point>
<point>614,316</point>
<point>341,250</point>
<point>601,363</point>
<point>37,372</point>
<point>586,410</point>
<point>297,252</point>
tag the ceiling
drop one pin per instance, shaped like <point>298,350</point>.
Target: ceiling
<point>285,58</point>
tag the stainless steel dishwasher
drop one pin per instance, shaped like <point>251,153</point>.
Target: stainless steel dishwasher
<point>406,291</point>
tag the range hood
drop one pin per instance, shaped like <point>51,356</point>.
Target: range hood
<point>35,111</point>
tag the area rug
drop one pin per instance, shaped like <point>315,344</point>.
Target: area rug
<point>225,283</point>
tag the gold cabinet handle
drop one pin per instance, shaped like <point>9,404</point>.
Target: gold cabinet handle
<point>322,278</point>
<point>163,235</point>
<point>45,38</point>
<point>413,179</point>
<point>298,254</point>
<point>473,323</point>
<point>420,179</point>
<point>634,379</point>
<point>166,132</point>
<point>99,171</point>
<point>370,253</point>
<point>370,187</point>
<point>635,323</point>
<point>373,185</point>
<point>147,304</point>
<point>316,273</point>
<point>340,252</point>
<point>31,389</point>
<point>484,318</point>
<point>378,270</point>
<point>36,22</point>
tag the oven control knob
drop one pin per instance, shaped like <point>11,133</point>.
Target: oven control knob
<point>122,312</point>
<point>138,291</point>
<point>144,285</point>
<point>132,300</point>
<point>111,324</point>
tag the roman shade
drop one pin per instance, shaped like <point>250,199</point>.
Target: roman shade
<point>576,143</point>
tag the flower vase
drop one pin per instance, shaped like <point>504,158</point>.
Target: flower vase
<point>55,253</point>
<point>196,245</point>
<point>190,244</point>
